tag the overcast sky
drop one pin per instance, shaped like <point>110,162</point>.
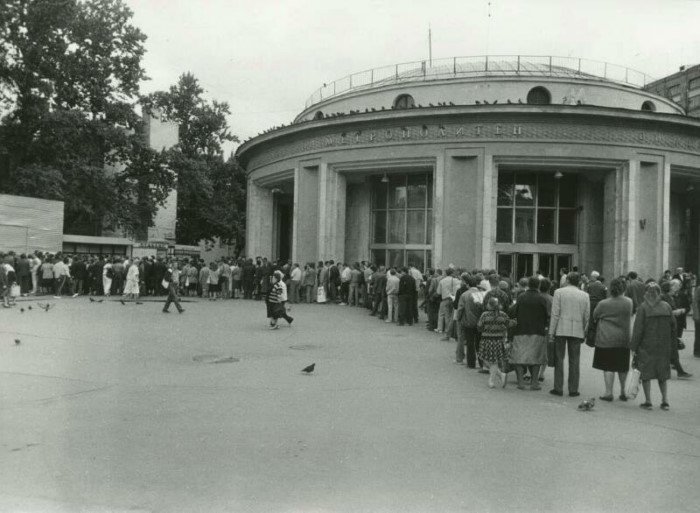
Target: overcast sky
<point>266,57</point>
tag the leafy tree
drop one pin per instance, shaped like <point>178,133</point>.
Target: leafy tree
<point>211,191</point>
<point>69,78</point>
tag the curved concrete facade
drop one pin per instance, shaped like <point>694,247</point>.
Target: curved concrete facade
<point>635,178</point>
<point>468,91</point>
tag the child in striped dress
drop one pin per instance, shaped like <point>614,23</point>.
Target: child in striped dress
<point>493,325</point>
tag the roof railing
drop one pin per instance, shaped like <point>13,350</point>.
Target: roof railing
<point>482,65</point>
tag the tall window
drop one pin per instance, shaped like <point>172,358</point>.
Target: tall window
<point>402,220</point>
<point>536,208</point>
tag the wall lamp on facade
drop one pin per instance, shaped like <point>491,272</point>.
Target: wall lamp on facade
<point>276,190</point>
<point>385,178</point>
<point>642,224</point>
<point>558,175</point>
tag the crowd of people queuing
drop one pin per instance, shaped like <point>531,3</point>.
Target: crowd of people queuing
<point>499,324</point>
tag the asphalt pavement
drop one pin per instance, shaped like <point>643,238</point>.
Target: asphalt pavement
<point>111,407</point>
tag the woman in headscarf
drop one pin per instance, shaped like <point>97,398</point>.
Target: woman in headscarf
<point>530,337</point>
<point>652,338</point>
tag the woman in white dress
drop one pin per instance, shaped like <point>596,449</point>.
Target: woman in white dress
<point>131,289</point>
<point>107,275</point>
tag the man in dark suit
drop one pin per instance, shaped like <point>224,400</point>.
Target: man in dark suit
<point>407,289</point>
<point>24,274</point>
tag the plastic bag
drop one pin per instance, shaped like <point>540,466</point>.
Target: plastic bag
<point>15,291</point>
<point>632,384</point>
<point>321,295</point>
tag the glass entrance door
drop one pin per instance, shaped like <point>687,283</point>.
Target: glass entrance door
<point>520,265</point>
<point>517,265</point>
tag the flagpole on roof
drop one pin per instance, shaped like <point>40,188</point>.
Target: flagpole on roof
<point>430,46</point>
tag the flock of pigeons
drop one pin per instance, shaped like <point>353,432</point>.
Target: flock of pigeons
<point>372,109</point>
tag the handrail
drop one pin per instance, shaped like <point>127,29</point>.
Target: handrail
<point>482,65</point>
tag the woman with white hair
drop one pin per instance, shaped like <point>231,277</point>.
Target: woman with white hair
<point>652,338</point>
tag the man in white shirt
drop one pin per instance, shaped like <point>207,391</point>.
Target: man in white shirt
<point>294,284</point>
<point>392,295</point>
<point>35,263</point>
<point>446,289</point>
<point>345,284</point>
<point>418,276</point>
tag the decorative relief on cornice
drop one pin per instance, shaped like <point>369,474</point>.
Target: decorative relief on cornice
<point>475,132</point>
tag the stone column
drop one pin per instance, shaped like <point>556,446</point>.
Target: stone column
<point>331,217</point>
<point>488,227</point>
<point>305,241</point>
<point>259,221</point>
<point>642,235</point>
<point>439,221</point>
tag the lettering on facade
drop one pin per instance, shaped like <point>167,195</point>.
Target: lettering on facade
<point>404,134</point>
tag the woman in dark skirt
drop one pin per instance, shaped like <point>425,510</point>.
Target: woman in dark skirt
<point>612,319</point>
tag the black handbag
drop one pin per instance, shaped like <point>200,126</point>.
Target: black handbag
<point>591,333</point>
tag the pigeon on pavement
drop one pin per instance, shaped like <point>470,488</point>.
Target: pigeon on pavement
<point>587,405</point>
<point>309,369</point>
<point>17,341</point>
<point>92,300</point>
<point>21,310</point>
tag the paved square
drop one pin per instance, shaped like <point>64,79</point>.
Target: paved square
<point>107,407</point>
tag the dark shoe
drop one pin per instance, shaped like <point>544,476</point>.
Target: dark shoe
<point>607,398</point>
<point>684,375</point>
<point>646,406</point>
<point>665,406</point>
<point>574,394</point>
<point>166,311</point>
<point>556,392</point>
<point>623,397</point>
<point>291,320</point>
<point>181,310</point>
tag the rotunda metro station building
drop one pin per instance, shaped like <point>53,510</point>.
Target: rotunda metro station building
<point>513,163</point>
